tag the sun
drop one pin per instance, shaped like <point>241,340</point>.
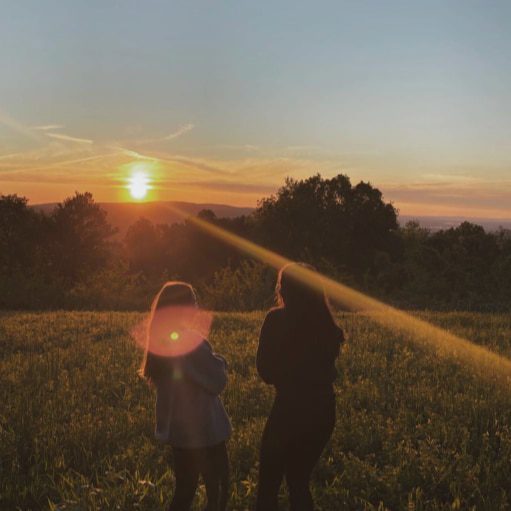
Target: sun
<point>138,185</point>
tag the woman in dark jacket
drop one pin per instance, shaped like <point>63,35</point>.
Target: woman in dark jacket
<point>298,346</point>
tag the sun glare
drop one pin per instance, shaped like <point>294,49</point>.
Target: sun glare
<point>489,364</point>
<point>138,185</point>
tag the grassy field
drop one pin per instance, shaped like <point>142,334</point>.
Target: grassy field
<point>413,432</point>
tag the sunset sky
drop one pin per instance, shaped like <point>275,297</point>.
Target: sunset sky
<point>220,101</point>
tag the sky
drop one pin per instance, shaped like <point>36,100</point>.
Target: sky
<point>221,101</point>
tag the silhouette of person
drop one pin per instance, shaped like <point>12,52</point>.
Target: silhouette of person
<point>298,346</point>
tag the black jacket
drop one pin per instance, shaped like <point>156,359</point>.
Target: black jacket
<point>295,356</point>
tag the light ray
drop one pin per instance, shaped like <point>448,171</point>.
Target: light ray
<point>445,344</point>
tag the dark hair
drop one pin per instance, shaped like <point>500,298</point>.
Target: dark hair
<point>302,295</point>
<point>173,293</point>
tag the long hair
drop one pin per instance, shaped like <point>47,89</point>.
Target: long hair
<point>306,305</point>
<point>155,368</point>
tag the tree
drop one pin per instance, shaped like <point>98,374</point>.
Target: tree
<point>20,233</point>
<point>145,248</point>
<point>80,237</point>
<point>329,219</point>
<point>463,267</point>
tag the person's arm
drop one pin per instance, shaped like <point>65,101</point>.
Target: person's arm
<point>206,369</point>
<point>267,360</point>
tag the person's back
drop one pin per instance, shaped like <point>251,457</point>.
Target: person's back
<point>292,355</point>
<point>298,345</point>
<point>189,413</point>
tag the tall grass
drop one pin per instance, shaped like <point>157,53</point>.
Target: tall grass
<point>413,432</point>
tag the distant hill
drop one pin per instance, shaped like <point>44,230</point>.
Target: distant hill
<point>123,214</point>
<point>436,223</point>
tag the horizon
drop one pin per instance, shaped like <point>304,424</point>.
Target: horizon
<point>234,206</point>
<point>432,222</point>
<point>205,105</point>
<point>471,215</point>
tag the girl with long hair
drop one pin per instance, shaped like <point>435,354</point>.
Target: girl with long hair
<point>188,377</point>
<point>298,346</point>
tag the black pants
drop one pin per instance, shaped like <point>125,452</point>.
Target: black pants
<point>294,437</point>
<point>210,462</point>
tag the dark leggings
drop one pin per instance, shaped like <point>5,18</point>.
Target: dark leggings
<point>294,437</point>
<point>210,462</point>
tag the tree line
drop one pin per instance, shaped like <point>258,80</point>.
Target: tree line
<point>71,257</point>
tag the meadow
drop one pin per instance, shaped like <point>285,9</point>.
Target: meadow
<point>414,432</point>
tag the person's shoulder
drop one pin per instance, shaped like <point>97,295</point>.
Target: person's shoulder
<point>203,347</point>
<point>274,316</point>
<point>274,319</point>
<point>275,312</point>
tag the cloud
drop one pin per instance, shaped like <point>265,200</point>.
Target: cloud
<point>248,148</point>
<point>181,131</point>
<point>195,163</point>
<point>10,156</point>
<point>48,153</point>
<point>134,154</point>
<point>171,136</point>
<point>198,164</point>
<point>62,177</point>
<point>47,127</point>
<point>451,179</point>
<point>17,126</point>
<point>85,159</point>
<point>68,138</point>
<point>245,175</point>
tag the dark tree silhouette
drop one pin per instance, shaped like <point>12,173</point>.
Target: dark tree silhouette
<point>69,258</point>
<point>145,248</point>
<point>329,219</point>
<point>20,233</point>
<point>80,235</point>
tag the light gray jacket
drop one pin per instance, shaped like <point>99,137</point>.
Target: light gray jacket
<point>189,412</point>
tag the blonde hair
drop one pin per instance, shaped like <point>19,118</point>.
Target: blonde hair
<point>173,293</point>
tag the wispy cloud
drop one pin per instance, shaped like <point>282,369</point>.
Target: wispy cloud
<point>195,163</point>
<point>62,177</point>
<point>68,138</point>
<point>86,159</point>
<point>171,136</point>
<point>199,164</point>
<point>17,126</point>
<point>181,131</point>
<point>134,154</point>
<point>450,179</point>
<point>47,127</point>
<point>10,156</point>
<point>247,148</point>
<point>45,158</point>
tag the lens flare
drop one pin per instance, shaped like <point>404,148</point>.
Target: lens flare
<point>485,362</point>
<point>174,331</point>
